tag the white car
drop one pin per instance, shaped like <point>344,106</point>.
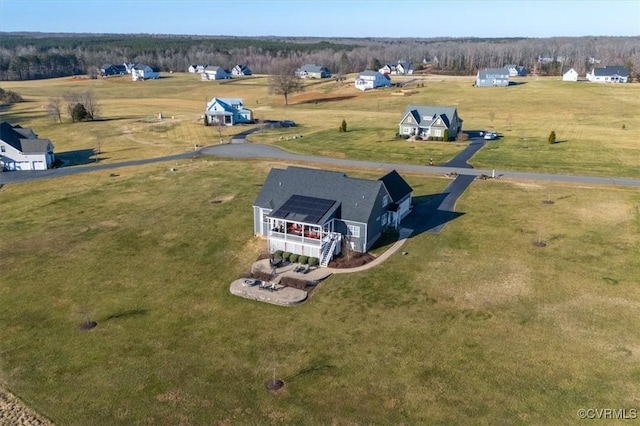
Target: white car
<point>489,136</point>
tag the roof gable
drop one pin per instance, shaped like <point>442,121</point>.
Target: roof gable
<point>425,115</point>
<point>396,186</point>
<point>356,197</point>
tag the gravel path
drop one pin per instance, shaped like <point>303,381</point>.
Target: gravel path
<point>14,412</point>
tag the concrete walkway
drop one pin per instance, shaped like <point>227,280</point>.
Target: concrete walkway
<point>319,273</point>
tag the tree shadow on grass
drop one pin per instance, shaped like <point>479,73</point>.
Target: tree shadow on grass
<point>126,314</point>
<point>77,157</point>
<point>323,100</point>
<point>306,371</point>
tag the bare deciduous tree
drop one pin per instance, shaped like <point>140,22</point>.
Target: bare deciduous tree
<point>283,80</point>
<point>54,109</point>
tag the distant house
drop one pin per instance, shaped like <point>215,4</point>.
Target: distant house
<point>215,73</point>
<point>570,75</point>
<point>404,67</point>
<point>312,71</point>
<point>490,77</point>
<point>316,213</point>
<point>608,74</point>
<point>144,72</point>
<point>128,66</point>
<point>107,70</point>
<point>367,80</point>
<point>197,68</point>
<point>22,149</point>
<point>387,69</point>
<point>227,111</point>
<point>516,70</point>
<point>430,122</point>
<point>240,70</point>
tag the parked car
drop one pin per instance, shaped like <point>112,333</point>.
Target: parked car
<point>287,123</point>
<point>489,136</point>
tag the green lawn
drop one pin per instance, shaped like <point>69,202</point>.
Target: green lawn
<point>588,120</point>
<point>475,325</point>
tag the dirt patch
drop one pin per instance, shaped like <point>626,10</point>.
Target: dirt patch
<point>352,261</point>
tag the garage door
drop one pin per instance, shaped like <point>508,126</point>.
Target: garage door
<point>38,165</point>
<point>23,165</point>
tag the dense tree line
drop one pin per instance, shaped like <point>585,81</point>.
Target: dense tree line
<point>35,55</point>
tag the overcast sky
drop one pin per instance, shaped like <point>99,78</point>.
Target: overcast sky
<point>327,18</point>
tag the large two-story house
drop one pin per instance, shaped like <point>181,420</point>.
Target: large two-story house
<point>312,71</point>
<point>144,72</point>
<point>430,122</point>
<point>369,79</point>
<point>316,213</point>
<point>227,111</point>
<point>490,77</point>
<point>22,149</point>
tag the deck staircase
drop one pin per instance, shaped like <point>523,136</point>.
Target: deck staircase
<point>328,250</point>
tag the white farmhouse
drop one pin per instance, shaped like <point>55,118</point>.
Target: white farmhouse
<point>144,72</point>
<point>371,80</point>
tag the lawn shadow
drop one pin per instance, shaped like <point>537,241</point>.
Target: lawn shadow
<point>77,157</point>
<point>323,100</point>
<point>432,212</point>
<point>126,117</point>
<point>306,371</point>
<point>126,314</point>
<point>517,83</point>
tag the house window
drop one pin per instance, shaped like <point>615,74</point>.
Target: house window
<point>385,200</point>
<point>3,149</point>
<point>408,119</point>
<point>384,219</point>
<point>354,231</point>
<point>437,133</point>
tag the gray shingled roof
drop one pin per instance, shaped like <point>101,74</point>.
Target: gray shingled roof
<point>493,71</point>
<point>357,197</point>
<point>397,187</point>
<point>420,111</point>
<point>611,70</point>
<point>312,68</point>
<point>16,137</point>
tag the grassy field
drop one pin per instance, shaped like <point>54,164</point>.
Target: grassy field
<point>587,118</point>
<point>473,325</point>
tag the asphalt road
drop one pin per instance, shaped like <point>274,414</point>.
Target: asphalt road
<point>264,151</point>
<point>429,215</point>
<point>26,176</point>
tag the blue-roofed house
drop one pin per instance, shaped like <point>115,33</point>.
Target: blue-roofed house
<point>430,122</point>
<point>314,212</point>
<point>227,111</point>
<point>609,74</point>
<point>490,77</point>
<point>312,71</point>
<point>107,70</point>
